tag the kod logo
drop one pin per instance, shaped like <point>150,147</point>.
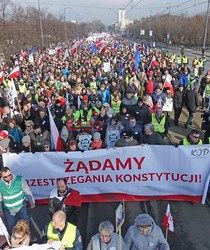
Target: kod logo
<point>200,152</point>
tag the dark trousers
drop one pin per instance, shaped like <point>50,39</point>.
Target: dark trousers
<point>190,119</point>
<point>177,113</point>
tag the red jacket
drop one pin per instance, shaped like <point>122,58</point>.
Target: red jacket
<point>150,86</point>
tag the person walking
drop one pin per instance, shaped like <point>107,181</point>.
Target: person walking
<point>192,103</point>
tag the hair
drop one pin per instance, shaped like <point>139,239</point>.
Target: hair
<point>21,227</point>
<point>5,169</point>
<point>194,132</point>
<point>29,122</point>
<point>60,215</point>
<point>62,179</point>
<point>149,126</point>
<point>106,226</point>
<point>13,121</point>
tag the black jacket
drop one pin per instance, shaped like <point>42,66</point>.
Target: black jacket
<point>178,99</point>
<point>191,100</point>
<point>142,114</point>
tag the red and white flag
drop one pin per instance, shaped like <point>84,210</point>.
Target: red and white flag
<point>74,48</point>
<point>23,54</point>
<point>168,220</point>
<point>1,76</point>
<point>103,49</point>
<point>40,59</point>
<point>15,73</point>
<point>55,137</point>
<point>153,62</point>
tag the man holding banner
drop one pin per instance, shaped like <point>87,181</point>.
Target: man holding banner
<point>145,234</point>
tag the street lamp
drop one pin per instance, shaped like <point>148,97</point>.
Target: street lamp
<point>169,21</point>
<point>40,23</point>
<point>64,17</point>
<point>205,29</point>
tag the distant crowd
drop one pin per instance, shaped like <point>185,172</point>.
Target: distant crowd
<point>94,105</point>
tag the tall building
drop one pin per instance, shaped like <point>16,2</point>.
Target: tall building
<point>122,22</point>
<point>121,18</point>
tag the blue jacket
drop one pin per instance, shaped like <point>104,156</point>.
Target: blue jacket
<point>184,80</point>
<point>106,97</point>
<point>16,134</point>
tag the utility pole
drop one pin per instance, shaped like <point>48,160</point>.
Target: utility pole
<point>65,28</point>
<point>40,23</point>
<point>205,29</point>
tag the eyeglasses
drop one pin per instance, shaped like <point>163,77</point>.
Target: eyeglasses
<point>106,236</point>
<point>46,146</point>
<point>28,126</point>
<point>9,175</point>
<point>196,137</point>
<point>18,238</point>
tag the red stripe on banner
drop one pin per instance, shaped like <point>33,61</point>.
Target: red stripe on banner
<point>115,197</point>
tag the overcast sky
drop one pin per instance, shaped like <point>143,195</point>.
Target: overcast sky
<point>106,10</point>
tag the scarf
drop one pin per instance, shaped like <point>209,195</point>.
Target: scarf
<point>96,145</point>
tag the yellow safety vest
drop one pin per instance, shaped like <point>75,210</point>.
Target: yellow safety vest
<point>179,60</point>
<point>184,60</point>
<point>159,127</point>
<point>186,142</point>
<point>68,238</point>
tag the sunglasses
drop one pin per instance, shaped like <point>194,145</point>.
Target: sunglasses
<point>46,146</point>
<point>28,126</point>
<point>196,137</point>
<point>126,137</point>
<point>9,175</point>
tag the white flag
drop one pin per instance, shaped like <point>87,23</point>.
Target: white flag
<point>12,94</point>
<point>3,229</point>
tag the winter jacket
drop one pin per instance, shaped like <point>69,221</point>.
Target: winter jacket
<point>154,240</point>
<point>142,114</point>
<point>191,100</point>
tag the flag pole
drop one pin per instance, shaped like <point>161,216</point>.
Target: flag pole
<point>2,229</point>
<point>21,114</point>
<point>167,234</point>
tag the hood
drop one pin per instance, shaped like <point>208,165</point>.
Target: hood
<point>144,219</point>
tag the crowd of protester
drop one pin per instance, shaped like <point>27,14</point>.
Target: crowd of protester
<point>93,108</point>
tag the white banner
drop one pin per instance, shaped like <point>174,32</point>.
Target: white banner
<point>107,67</point>
<point>168,106</point>
<point>54,246</point>
<point>140,172</point>
<point>142,32</point>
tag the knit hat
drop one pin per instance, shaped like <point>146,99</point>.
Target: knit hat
<point>85,98</point>
<point>127,133</point>
<point>4,133</point>
<point>46,143</point>
<point>26,138</point>
<point>96,136</point>
<point>143,219</point>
